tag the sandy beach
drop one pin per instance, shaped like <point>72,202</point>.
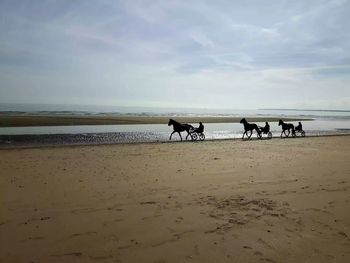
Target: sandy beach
<point>279,200</point>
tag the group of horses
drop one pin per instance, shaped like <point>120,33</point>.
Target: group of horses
<point>287,129</point>
<point>194,133</point>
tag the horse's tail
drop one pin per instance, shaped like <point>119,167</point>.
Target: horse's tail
<point>293,129</point>
<point>257,128</point>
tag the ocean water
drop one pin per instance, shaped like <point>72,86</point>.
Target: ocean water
<point>324,123</point>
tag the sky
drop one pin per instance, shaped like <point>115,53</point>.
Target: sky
<point>199,54</point>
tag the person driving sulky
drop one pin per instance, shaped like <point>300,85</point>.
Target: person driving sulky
<point>200,128</point>
<point>299,127</point>
<point>266,129</point>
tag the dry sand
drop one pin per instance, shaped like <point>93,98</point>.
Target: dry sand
<point>49,120</point>
<point>279,200</point>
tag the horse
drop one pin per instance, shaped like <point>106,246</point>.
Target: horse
<point>286,127</point>
<point>179,127</point>
<point>250,127</point>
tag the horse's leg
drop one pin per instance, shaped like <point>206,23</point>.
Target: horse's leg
<point>258,132</point>
<point>250,135</point>
<point>171,135</point>
<point>188,133</point>
<point>282,133</point>
<point>293,133</point>
<point>288,133</point>
<point>245,132</point>
<point>180,135</point>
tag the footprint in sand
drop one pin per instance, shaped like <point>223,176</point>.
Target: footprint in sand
<point>150,217</point>
<point>83,234</point>
<point>267,260</point>
<point>4,222</point>
<point>32,238</point>
<point>238,210</point>
<point>343,234</point>
<point>148,203</point>
<point>342,182</point>
<point>84,210</point>
<point>76,254</point>
<point>265,244</point>
<point>179,219</point>
<point>124,247</point>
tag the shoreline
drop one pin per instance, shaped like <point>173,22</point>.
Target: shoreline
<point>49,120</point>
<point>5,146</point>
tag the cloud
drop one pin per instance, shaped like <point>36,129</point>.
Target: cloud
<point>204,53</point>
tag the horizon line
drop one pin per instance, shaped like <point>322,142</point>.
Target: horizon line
<point>172,107</point>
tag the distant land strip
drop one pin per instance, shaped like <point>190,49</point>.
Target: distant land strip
<point>28,121</point>
<point>306,110</point>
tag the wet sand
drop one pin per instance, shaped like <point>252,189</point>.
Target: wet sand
<point>32,120</point>
<point>279,200</point>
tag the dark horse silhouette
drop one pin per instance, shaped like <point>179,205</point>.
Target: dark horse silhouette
<point>286,127</point>
<point>179,127</point>
<point>250,127</point>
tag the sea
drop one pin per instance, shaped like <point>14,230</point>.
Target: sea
<point>324,122</point>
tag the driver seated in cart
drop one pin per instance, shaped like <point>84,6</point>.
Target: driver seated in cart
<point>266,129</point>
<point>200,128</point>
<point>299,128</point>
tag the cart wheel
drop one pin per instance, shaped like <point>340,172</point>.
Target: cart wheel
<point>194,136</point>
<point>303,133</point>
<point>202,136</point>
<point>269,135</point>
